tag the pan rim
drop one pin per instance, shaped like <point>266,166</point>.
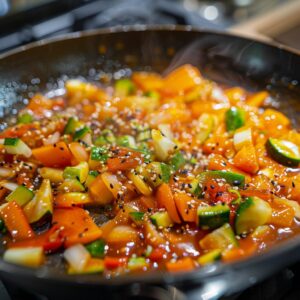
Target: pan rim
<point>196,276</point>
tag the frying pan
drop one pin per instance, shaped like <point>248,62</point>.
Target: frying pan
<point>231,60</point>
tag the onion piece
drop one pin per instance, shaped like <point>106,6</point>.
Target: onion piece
<point>8,185</point>
<point>242,137</point>
<point>52,138</point>
<point>163,146</point>
<point>6,173</point>
<point>77,257</point>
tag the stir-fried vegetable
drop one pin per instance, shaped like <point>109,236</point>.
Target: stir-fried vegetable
<point>149,173</point>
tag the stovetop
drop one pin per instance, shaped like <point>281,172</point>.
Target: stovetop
<point>22,22</point>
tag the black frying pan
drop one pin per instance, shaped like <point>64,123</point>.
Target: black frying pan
<point>228,59</point>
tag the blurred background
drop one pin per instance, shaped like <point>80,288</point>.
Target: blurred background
<point>24,21</point>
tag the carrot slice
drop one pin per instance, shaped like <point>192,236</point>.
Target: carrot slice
<point>181,80</point>
<point>15,221</point>
<point>181,265</point>
<point>77,226</point>
<point>185,207</point>
<point>165,199</point>
<point>57,155</point>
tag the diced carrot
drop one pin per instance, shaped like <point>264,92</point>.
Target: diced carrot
<point>19,130</point>
<point>255,193</point>
<point>39,103</point>
<point>181,80</point>
<point>165,199</point>
<point>147,201</point>
<point>218,162</point>
<point>99,192</point>
<point>122,234</point>
<point>15,221</point>
<point>235,94</point>
<point>125,159</point>
<point>77,226</point>
<point>114,262</point>
<point>157,254</point>
<point>57,155</point>
<point>257,99</point>
<point>181,265</point>
<point>246,159</point>
<point>51,240</point>
<point>79,152</point>
<point>282,215</point>
<point>233,254</point>
<point>72,199</point>
<point>275,123</point>
<point>185,206</point>
<point>147,81</point>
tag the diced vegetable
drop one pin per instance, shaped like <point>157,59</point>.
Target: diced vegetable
<point>15,221</point>
<point>106,137</point>
<point>177,161</point>
<point>161,219</point>
<point>93,266</point>
<point>42,203</point>
<point>242,137</point>
<point>96,248</point>
<point>54,175</point>
<point>71,185</point>
<point>284,152</point>
<point>232,178</point>
<point>165,199</point>
<point>122,234</point>
<point>99,191</point>
<point>29,257</point>
<point>182,265</point>
<point>260,231</point>
<point>186,207</point>
<point>77,256</point>
<point>126,141</point>
<point>124,87</point>
<point>83,135</point>
<point>72,199</point>
<point>246,160</point>
<point>79,152</point>
<point>206,126</point>
<point>220,238</point>
<point>99,154</point>
<point>91,178</point>
<point>163,146</point>
<point>137,216</point>
<point>25,118</point>
<point>166,131</point>
<point>79,172</point>
<point>234,118</point>
<point>210,257</point>
<point>253,212</point>
<point>211,217</point>
<point>21,195</point>
<point>137,263</point>
<point>17,146</point>
<point>57,155</point>
<point>50,240</point>
<point>78,226</point>
<point>139,183</point>
<point>72,125</point>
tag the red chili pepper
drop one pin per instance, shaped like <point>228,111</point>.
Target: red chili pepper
<point>157,254</point>
<point>114,262</point>
<point>51,240</point>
